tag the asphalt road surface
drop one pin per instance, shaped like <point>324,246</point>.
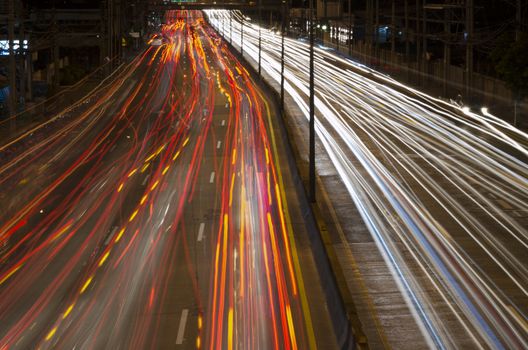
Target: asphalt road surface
<point>159,212</point>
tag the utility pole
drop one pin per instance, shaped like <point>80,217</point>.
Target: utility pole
<point>22,54</point>
<point>12,62</point>
<point>417,40</point>
<point>368,22</point>
<point>393,30</point>
<point>119,35</point>
<point>349,27</point>
<point>103,42</point>
<point>376,28</point>
<point>110,33</point>
<point>337,32</point>
<point>447,47</point>
<point>312,108</point>
<point>469,46</point>
<point>55,48</point>
<point>407,48</point>
<point>260,38</point>
<point>518,21</point>
<point>425,62</point>
<point>29,72</point>
<point>283,34</point>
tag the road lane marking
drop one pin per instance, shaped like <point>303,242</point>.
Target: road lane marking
<point>181,327</point>
<point>111,235</point>
<point>145,180</point>
<point>19,340</point>
<point>520,320</point>
<point>211,179</point>
<point>51,333</point>
<point>218,144</point>
<point>201,231</point>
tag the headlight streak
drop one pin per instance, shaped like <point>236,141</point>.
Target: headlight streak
<point>392,130</point>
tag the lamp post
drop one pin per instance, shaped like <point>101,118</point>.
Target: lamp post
<point>283,29</point>
<point>260,38</point>
<point>312,109</point>
<point>337,35</point>
<point>349,27</point>
<point>242,36</point>
<point>13,102</point>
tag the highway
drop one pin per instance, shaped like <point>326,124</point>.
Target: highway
<point>159,212</point>
<point>442,190</point>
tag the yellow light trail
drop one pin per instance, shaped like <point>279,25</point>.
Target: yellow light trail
<point>231,189</point>
<point>230,329</point>
<point>176,155</point>
<point>291,327</point>
<point>234,156</point>
<point>119,235</point>
<point>10,274</point>
<point>61,232</point>
<point>133,215</point>
<point>103,259</point>
<point>68,311</point>
<point>51,334</point>
<point>86,284</point>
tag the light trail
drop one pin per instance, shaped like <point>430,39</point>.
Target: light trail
<point>418,170</point>
<point>96,237</point>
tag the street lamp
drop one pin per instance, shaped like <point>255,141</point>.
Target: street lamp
<point>242,36</point>
<point>260,37</point>
<point>349,28</point>
<point>283,30</point>
<point>312,109</point>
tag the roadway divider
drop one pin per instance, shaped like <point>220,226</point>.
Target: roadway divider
<point>346,323</point>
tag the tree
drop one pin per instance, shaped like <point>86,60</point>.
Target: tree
<point>511,64</point>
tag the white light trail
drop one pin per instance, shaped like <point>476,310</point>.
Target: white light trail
<point>426,176</point>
